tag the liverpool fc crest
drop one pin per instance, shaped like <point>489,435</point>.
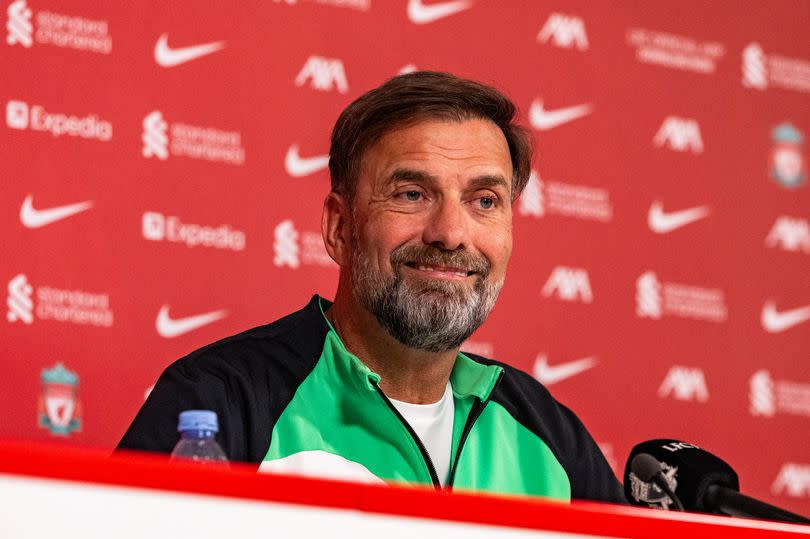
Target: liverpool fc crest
<point>787,162</point>
<point>59,408</point>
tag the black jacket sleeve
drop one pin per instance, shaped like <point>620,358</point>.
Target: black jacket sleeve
<point>203,382</point>
<point>247,379</point>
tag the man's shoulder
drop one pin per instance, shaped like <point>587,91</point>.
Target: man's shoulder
<point>516,380</point>
<point>290,341</point>
<point>531,403</point>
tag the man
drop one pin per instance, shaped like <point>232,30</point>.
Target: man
<point>372,387</point>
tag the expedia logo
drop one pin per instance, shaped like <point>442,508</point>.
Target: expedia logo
<point>20,115</point>
<point>159,227</point>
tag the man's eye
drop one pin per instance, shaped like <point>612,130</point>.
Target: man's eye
<point>413,196</point>
<point>487,202</point>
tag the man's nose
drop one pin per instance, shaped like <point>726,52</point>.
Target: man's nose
<point>447,226</point>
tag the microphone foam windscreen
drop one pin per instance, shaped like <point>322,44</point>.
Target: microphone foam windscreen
<point>688,469</point>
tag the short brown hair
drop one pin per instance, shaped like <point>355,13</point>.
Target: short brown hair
<point>410,98</point>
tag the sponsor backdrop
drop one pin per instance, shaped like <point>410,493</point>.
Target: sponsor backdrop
<point>164,166</point>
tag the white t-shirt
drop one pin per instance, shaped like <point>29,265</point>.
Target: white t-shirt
<point>433,423</point>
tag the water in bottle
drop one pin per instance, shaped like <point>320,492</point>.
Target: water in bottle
<point>197,430</point>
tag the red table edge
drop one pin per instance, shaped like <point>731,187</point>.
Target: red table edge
<point>133,469</point>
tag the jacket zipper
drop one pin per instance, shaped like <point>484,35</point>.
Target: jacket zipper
<point>431,468</point>
<point>478,407</point>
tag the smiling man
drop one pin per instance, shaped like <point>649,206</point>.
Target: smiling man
<point>373,387</point>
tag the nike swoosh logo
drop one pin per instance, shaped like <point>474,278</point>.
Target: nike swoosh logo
<point>33,218</point>
<point>420,13</point>
<point>547,374</point>
<point>543,119</point>
<point>168,327</point>
<point>298,166</point>
<point>662,222</point>
<point>165,56</point>
<point>774,321</point>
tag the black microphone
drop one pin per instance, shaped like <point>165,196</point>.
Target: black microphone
<point>700,481</point>
<point>648,470</point>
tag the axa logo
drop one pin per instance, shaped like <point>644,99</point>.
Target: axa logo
<point>155,136</point>
<point>323,74</point>
<point>790,234</point>
<point>166,56</point>
<point>19,26</point>
<point>285,245</point>
<point>684,384</point>
<point>564,31</point>
<point>680,134</point>
<point>421,12</point>
<point>569,284</point>
<point>793,480</point>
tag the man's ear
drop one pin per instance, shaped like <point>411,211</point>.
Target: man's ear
<point>335,227</point>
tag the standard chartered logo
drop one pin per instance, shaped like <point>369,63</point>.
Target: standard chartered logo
<point>762,394</point>
<point>178,139</point>
<point>531,200</point>
<point>20,29</point>
<point>285,245</point>
<point>155,139</point>
<point>19,302</point>
<point>754,71</point>
<point>648,296</point>
<point>72,306</point>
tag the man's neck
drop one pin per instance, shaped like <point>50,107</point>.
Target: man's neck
<point>406,374</point>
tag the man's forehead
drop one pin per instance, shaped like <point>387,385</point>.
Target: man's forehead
<point>475,142</point>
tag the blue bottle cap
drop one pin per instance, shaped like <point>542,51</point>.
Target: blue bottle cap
<point>198,420</point>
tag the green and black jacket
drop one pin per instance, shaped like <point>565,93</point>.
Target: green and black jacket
<point>291,386</point>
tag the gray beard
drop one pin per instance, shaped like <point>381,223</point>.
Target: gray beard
<point>431,315</point>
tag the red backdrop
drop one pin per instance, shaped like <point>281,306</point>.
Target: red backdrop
<point>163,169</point>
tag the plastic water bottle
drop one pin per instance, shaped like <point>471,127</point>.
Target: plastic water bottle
<point>197,429</point>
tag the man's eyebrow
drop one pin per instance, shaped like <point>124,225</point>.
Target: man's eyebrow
<point>407,174</point>
<point>479,182</point>
<point>490,180</point>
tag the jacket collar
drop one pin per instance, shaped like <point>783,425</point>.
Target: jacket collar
<point>468,378</point>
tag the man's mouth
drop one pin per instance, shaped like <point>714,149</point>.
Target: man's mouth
<point>440,271</point>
